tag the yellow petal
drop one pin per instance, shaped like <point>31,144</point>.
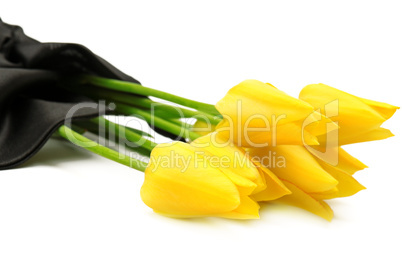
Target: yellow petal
<point>188,191</point>
<point>348,163</point>
<point>260,98</point>
<point>318,124</point>
<point>274,187</point>
<point>299,167</point>
<point>303,200</point>
<point>347,185</point>
<point>259,136</point>
<point>337,157</point>
<point>376,134</point>
<point>325,194</point>
<point>386,110</point>
<point>253,113</point>
<point>232,161</point>
<point>354,116</point>
<point>293,134</point>
<point>248,209</point>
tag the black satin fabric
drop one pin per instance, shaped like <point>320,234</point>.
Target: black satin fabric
<point>32,103</point>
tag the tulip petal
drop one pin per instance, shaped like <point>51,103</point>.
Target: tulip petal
<point>293,134</point>
<point>325,194</point>
<point>248,209</point>
<point>337,155</point>
<point>193,191</point>
<point>299,167</point>
<point>318,124</point>
<point>386,110</point>
<point>261,98</point>
<point>354,116</point>
<point>376,134</point>
<point>274,187</point>
<point>254,111</point>
<point>347,185</point>
<point>232,161</point>
<point>303,200</point>
<point>284,134</point>
<point>348,163</point>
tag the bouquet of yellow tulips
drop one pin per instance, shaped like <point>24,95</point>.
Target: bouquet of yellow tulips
<point>257,144</point>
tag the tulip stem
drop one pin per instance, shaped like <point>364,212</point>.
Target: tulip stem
<point>153,120</point>
<point>137,89</point>
<point>103,151</point>
<point>129,134</point>
<point>164,110</point>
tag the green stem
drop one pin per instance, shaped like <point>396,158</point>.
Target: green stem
<point>163,110</point>
<point>96,148</point>
<point>138,89</point>
<point>187,127</point>
<point>82,126</point>
<point>158,122</point>
<point>130,135</point>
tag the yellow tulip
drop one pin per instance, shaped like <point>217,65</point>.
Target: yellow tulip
<point>203,179</point>
<point>342,171</point>
<point>359,119</point>
<point>310,179</point>
<point>257,114</point>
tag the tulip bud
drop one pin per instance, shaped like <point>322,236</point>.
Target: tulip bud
<point>359,119</point>
<point>257,114</point>
<point>187,180</point>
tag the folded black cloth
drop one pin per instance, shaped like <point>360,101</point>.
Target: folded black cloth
<point>32,102</point>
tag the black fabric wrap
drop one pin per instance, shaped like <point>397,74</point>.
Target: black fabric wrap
<point>32,103</point>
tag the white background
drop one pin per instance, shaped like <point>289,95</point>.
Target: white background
<point>66,207</point>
